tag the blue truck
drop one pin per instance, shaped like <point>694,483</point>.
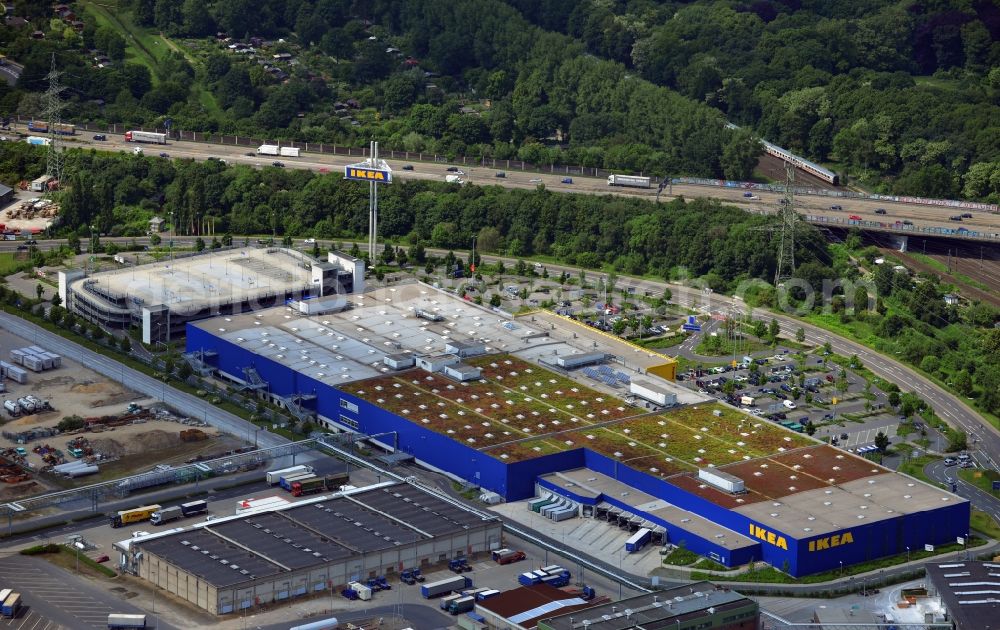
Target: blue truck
<point>638,540</point>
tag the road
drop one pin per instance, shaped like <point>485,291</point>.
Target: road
<point>133,379</point>
<point>983,501</point>
<point>11,72</point>
<point>819,206</point>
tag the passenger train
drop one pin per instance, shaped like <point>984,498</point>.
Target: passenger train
<point>798,162</point>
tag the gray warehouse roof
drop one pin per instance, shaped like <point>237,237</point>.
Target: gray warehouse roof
<point>232,550</point>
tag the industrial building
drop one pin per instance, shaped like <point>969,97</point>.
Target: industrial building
<point>525,606</point>
<point>727,485</point>
<point>162,297</point>
<point>233,563</point>
<point>962,592</point>
<point>701,606</point>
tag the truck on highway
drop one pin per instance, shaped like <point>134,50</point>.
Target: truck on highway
<point>119,621</point>
<point>268,149</point>
<point>447,585</point>
<point>62,129</point>
<point>135,515</point>
<point>146,136</point>
<point>274,476</point>
<point>630,181</point>
<point>289,151</point>
<point>38,141</point>
<point>454,179</point>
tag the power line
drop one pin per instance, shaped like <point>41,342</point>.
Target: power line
<point>52,110</point>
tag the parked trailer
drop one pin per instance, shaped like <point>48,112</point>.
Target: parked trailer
<point>364,592</point>
<point>82,471</point>
<point>247,505</point>
<point>289,151</point>
<point>448,599</point>
<point>119,621</point>
<point>274,476</point>
<point>309,486</point>
<point>286,482</point>
<point>145,136</point>
<point>434,589</point>
<point>323,624</point>
<point>12,408</point>
<point>638,540</point>
<point>531,577</point>
<point>487,594</point>
<point>16,374</point>
<point>126,517</point>
<point>564,514</point>
<point>461,605</point>
<point>537,506</point>
<point>11,605</point>
<point>630,181</point>
<point>164,516</point>
<point>553,569</point>
<point>556,581</point>
<point>268,149</point>
<point>193,508</point>
<point>536,503</point>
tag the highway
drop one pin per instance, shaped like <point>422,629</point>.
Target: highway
<point>922,216</point>
<point>983,501</point>
<point>185,403</point>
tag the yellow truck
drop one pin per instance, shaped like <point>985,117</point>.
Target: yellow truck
<point>135,515</point>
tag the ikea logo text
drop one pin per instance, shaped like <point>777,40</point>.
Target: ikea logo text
<point>768,537</point>
<point>366,174</point>
<point>829,542</point>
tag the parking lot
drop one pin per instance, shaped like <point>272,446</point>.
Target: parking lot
<point>50,601</point>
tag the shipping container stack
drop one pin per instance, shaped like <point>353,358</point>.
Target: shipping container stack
<point>35,359</point>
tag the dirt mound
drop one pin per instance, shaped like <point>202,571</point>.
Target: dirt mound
<point>108,447</point>
<point>139,443</point>
<point>20,491</point>
<point>27,421</point>
<point>94,388</point>
<point>55,381</point>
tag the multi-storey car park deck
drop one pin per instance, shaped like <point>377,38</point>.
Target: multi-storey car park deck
<point>519,420</point>
<point>237,562</point>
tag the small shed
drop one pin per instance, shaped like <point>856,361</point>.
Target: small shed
<point>437,362</point>
<point>155,225</point>
<point>399,361</point>
<point>462,372</point>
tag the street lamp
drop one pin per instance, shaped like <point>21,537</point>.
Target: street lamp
<point>907,554</point>
<point>841,568</point>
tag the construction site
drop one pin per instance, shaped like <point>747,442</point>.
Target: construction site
<point>69,426</point>
<point>29,215</point>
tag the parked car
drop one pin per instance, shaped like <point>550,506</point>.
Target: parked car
<point>836,207</point>
<point>567,180</point>
<point>278,164</point>
<point>880,211</point>
<point>164,155</point>
<point>907,222</point>
<point>250,154</point>
<point>950,461</point>
<point>967,215</point>
<point>455,169</point>
<point>500,175</point>
<point>854,217</point>
<point>407,167</point>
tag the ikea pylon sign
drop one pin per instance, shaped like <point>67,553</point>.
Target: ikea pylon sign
<point>359,173</point>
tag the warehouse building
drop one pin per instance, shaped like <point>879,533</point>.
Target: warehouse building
<point>964,593</point>
<point>727,485</point>
<point>525,606</point>
<point>161,298</point>
<point>234,563</point>
<point>701,606</point>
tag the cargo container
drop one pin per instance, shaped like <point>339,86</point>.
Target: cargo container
<point>487,594</point>
<point>83,471</point>
<point>507,556</point>
<point>461,605</point>
<point>631,181</point>
<point>193,508</point>
<point>126,517</point>
<point>13,409</point>
<point>536,503</point>
<point>41,184</point>
<point>531,577</point>
<point>16,374</point>
<point>145,136</point>
<point>364,592</point>
<point>17,356</point>
<point>166,515</point>
<point>565,514</point>
<point>638,540</point>
<point>119,621</point>
<point>274,476</point>
<point>556,580</point>
<point>653,393</point>
<point>33,363</point>
<point>552,569</point>
<point>289,151</point>
<point>268,149</point>
<point>11,605</point>
<point>4,594</point>
<point>434,589</point>
<point>719,479</point>
<point>286,482</point>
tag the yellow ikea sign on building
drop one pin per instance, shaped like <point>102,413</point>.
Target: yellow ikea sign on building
<point>838,540</point>
<point>769,537</point>
<point>367,174</point>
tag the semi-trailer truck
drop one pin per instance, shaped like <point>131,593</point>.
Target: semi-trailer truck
<point>286,482</point>
<point>274,476</point>
<point>136,515</point>
<point>447,585</point>
<point>178,511</point>
<point>268,149</point>
<point>630,181</point>
<point>289,151</point>
<point>507,556</point>
<point>146,136</point>
<point>462,605</point>
<point>308,486</point>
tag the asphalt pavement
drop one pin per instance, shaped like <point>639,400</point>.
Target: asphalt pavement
<point>983,501</point>
<point>187,404</point>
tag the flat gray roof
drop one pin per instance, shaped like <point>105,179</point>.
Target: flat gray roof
<point>319,531</point>
<point>858,502</point>
<point>652,611</point>
<point>212,276</point>
<point>587,482</point>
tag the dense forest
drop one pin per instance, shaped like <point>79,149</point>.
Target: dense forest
<point>904,96</point>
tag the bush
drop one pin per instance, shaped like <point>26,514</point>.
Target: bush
<point>70,423</point>
<point>40,549</point>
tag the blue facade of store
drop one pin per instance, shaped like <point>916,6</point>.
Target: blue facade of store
<point>516,481</point>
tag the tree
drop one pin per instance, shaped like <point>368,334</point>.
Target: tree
<point>962,382</point>
<point>930,364</point>
<point>773,330</point>
<point>417,253</point>
<point>199,244</point>
<point>39,290</point>
<point>126,345</point>
<point>619,326</point>
<point>184,370</point>
<point>759,329</point>
<point>73,242</point>
<point>495,300</point>
<point>881,442</point>
<point>827,348</point>
<point>154,240</point>
<point>800,335</point>
<point>196,20</point>
<point>894,399</point>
